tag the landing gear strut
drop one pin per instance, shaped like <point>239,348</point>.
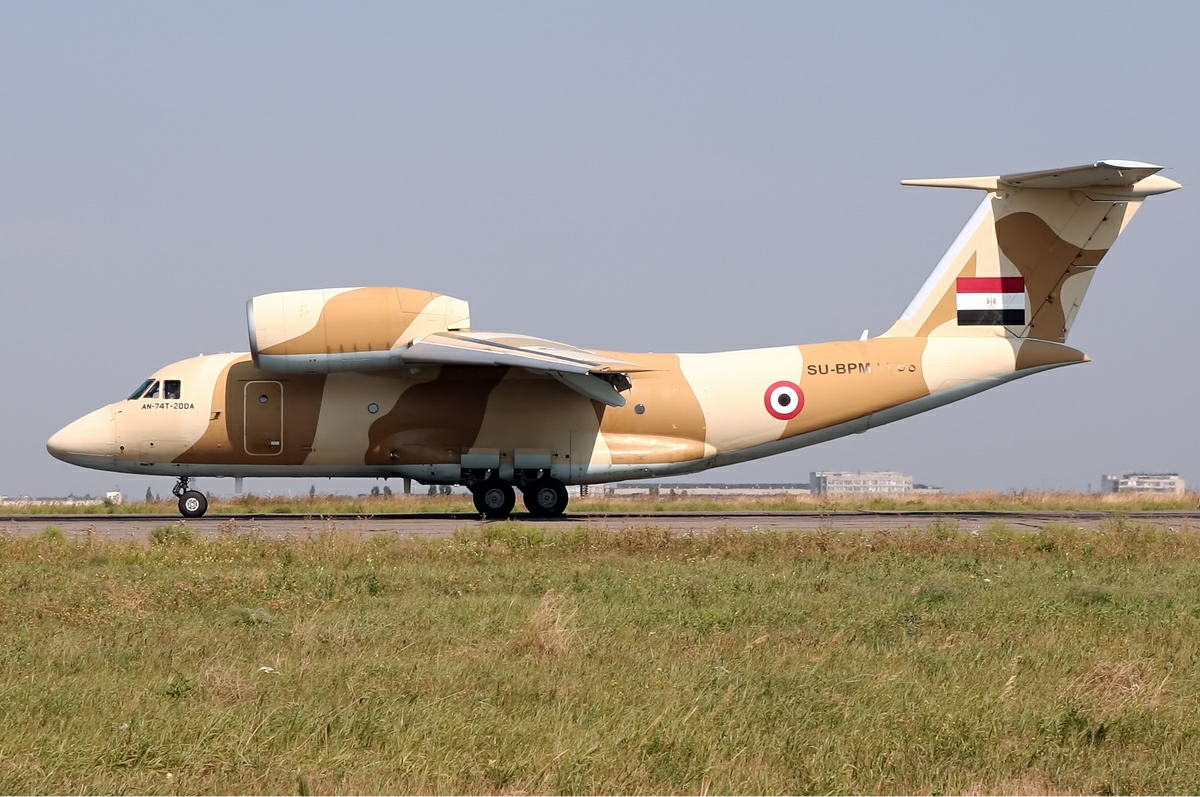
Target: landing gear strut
<point>192,503</point>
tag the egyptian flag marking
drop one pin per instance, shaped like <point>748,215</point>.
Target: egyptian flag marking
<point>990,301</point>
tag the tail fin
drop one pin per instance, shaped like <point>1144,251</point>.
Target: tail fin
<point>1022,264</point>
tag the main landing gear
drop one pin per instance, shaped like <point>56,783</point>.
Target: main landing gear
<point>494,498</point>
<point>192,503</point>
<point>544,496</point>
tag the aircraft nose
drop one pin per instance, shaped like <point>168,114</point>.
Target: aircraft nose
<point>92,436</point>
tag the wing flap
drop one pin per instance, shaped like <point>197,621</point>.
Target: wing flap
<point>595,375</point>
<point>523,351</point>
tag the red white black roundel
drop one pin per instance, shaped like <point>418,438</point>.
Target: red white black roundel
<point>784,400</point>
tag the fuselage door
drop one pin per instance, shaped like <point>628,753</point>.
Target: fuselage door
<point>264,418</point>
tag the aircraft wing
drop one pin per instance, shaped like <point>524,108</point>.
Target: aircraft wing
<point>594,375</point>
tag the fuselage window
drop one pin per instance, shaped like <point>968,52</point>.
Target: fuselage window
<point>171,388</point>
<point>152,392</point>
<point>141,389</point>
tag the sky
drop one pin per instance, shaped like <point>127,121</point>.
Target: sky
<point>675,176</point>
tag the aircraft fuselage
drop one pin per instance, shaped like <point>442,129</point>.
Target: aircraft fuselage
<point>436,424</point>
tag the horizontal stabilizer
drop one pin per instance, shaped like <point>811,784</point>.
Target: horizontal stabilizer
<point>1115,178</point>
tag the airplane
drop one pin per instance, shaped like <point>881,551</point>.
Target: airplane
<point>393,382</point>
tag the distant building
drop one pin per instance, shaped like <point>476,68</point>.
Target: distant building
<point>111,497</point>
<point>888,482</point>
<point>712,489</point>
<point>1143,483</point>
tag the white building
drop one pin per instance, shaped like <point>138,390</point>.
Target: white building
<point>888,482</point>
<point>1143,483</point>
<point>114,497</point>
<point>709,489</point>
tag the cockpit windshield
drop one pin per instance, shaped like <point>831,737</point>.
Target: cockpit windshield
<point>141,389</point>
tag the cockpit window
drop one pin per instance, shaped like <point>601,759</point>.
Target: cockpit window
<point>171,388</point>
<point>152,392</point>
<point>141,389</point>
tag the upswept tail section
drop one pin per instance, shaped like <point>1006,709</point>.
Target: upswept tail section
<point>1022,264</point>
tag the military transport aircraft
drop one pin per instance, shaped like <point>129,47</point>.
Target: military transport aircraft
<point>393,382</point>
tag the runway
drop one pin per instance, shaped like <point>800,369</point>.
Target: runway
<point>435,525</point>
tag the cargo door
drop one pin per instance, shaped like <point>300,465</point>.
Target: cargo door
<point>263,416</point>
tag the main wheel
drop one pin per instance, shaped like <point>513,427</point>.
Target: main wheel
<point>494,499</point>
<point>193,504</point>
<point>545,497</point>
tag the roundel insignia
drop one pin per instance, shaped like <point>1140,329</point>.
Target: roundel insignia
<point>784,400</point>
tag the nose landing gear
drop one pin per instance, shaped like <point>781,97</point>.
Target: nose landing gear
<point>192,503</point>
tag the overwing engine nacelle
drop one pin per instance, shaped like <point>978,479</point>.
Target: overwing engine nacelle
<point>346,329</point>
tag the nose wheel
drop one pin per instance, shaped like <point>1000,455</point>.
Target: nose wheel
<point>192,503</point>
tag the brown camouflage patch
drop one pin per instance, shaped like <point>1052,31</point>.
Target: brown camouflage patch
<point>435,421</point>
<point>365,319</point>
<point>1034,353</point>
<point>227,438</point>
<point>1046,261</point>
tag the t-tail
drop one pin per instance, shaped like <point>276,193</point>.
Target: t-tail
<point>1021,266</point>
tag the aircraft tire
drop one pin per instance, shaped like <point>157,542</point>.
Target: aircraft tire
<point>545,497</point>
<point>193,504</point>
<point>494,498</point>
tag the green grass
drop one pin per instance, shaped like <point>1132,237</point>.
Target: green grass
<point>514,658</point>
<point>679,501</point>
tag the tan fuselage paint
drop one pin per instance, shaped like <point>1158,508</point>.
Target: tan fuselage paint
<point>364,319</point>
<point>690,409</point>
<point>945,312</point>
<point>847,380</point>
<point>669,427</point>
<point>225,439</point>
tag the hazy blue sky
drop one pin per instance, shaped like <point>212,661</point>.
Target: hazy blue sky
<point>664,176</point>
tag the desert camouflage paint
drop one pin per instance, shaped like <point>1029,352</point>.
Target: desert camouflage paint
<point>392,381</point>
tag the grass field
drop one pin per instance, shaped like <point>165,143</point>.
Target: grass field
<point>666,501</point>
<point>513,659</point>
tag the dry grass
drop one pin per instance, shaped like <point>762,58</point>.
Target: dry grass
<point>549,631</point>
<point>1108,687</point>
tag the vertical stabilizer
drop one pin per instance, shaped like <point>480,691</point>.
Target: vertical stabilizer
<point>1022,264</point>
